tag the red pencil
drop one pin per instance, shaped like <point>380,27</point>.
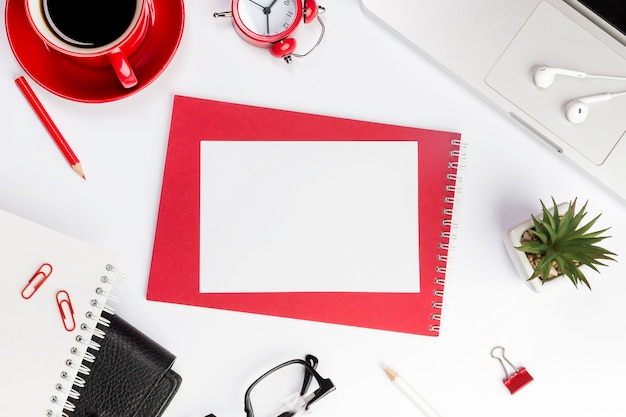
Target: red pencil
<point>49,125</point>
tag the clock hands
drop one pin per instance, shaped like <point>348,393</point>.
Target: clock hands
<point>266,11</point>
<point>260,5</point>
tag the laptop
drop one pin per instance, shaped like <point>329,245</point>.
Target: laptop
<point>497,47</point>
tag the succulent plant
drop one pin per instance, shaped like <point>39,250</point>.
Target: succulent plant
<point>560,245</point>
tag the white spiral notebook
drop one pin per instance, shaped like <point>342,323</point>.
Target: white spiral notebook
<point>45,275</point>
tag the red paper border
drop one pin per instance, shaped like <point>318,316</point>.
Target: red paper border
<point>174,274</point>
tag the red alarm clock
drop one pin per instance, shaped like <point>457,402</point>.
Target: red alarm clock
<point>271,23</point>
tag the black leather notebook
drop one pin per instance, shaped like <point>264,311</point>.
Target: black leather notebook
<point>130,377</point>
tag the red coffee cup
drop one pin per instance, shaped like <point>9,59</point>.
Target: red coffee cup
<point>94,33</point>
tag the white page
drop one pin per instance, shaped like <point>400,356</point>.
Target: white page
<point>35,345</point>
<point>308,216</point>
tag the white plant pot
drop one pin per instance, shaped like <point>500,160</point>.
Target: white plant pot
<point>512,240</point>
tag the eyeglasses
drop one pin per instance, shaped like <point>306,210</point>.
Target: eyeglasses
<point>286,389</point>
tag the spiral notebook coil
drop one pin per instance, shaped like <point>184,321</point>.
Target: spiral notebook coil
<point>446,234</point>
<point>90,356</point>
<point>74,375</point>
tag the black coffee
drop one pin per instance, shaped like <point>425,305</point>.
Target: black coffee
<point>89,23</point>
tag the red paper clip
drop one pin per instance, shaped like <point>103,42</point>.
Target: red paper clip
<point>42,274</point>
<point>516,380</point>
<point>66,310</point>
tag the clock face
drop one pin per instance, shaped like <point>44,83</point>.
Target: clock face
<point>268,18</point>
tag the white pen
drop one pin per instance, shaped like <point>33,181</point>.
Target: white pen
<point>410,393</point>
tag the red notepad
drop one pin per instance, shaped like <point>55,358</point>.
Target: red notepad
<point>175,271</point>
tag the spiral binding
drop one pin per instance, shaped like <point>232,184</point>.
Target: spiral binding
<point>66,390</point>
<point>446,235</point>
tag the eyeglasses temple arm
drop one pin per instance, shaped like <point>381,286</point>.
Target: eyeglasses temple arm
<point>312,361</point>
<point>326,386</point>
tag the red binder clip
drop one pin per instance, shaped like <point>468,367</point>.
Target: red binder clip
<point>516,380</point>
<point>42,274</point>
<point>66,310</point>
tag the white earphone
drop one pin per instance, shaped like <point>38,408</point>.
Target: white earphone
<point>577,110</point>
<point>543,75</point>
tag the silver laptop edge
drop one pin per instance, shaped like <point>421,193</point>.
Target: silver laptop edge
<point>452,33</point>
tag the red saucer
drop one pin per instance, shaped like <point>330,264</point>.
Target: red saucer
<point>67,79</point>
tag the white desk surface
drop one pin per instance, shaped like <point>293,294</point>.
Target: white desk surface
<point>571,341</point>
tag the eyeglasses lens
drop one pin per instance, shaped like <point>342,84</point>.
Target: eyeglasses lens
<point>278,394</point>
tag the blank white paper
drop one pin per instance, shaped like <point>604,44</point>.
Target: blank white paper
<point>291,216</point>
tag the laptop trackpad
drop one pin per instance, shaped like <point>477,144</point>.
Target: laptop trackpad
<point>550,38</point>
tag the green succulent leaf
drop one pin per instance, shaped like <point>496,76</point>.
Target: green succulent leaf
<point>561,240</point>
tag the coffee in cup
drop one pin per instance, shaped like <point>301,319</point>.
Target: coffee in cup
<point>93,32</point>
